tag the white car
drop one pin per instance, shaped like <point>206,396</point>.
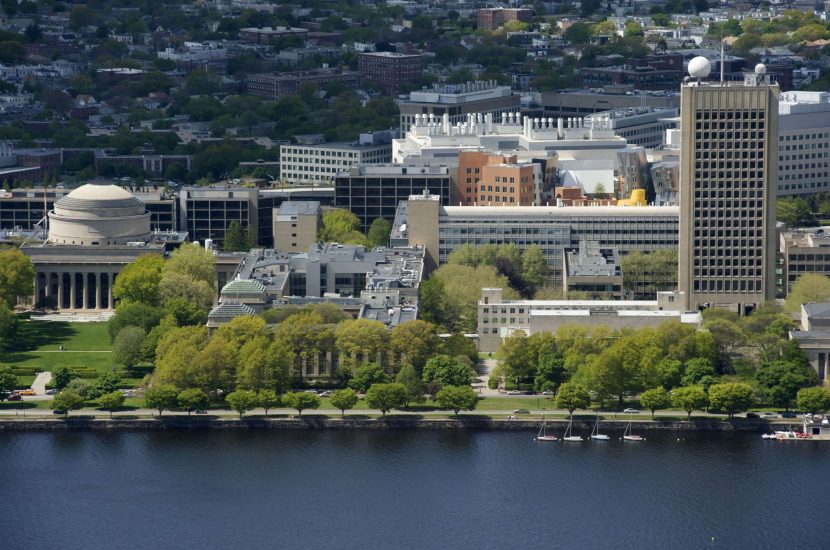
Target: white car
<point>631,411</point>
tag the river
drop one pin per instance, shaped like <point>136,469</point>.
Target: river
<point>408,490</point>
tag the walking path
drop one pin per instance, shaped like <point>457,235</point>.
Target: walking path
<point>39,385</point>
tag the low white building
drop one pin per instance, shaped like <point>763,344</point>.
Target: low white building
<point>320,163</point>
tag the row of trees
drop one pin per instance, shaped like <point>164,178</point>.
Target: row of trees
<point>343,226</point>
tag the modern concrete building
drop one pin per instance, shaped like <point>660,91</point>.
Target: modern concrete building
<point>806,251</point>
<point>803,143</point>
<point>728,173</point>
<point>458,101</point>
<point>440,230</point>
<point>206,212</point>
<point>391,70</point>
<point>583,102</point>
<point>296,224</point>
<point>813,337</point>
<point>645,126</point>
<point>593,271</point>
<point>499,318</point>
<point>320,163</point>
<point>373,191</point>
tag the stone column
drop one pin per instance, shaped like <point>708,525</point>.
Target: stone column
<point>73,295</point>
<point>60,290</point>
<point>97,291</point>
<point>85,305</point>
<point>47,291</point>
<point>37,289</point>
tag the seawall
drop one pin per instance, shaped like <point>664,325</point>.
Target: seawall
<point>392,422</point>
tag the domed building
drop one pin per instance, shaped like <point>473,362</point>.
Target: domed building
<point>99,215</point>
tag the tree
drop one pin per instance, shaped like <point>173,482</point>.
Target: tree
<point>126,349</point>
<point>191,400</point>
<point>201,82</point>
<point>656,398</point>
<point>81,15</point>
<point>457,398</point>
<point>695,370</point>
<point>186,313</point>
<point>516,360</point>
<point>242,401</point>
<point>731,397</point>
<point>107,382</point>
<point>267,399</point>
<point>446,371</point>
<point>161,398</point>
<point>366,375</point>
<point>177,357</point>
<point>111,401</point>
<point>690,398</point>
<point>551,373</point>
<point>379,231</point>
<point>8,382</point>
<point>459,345</point>
<point>813,400</point>
<point>344,399</point>
<point>8,325</point>
<point>17,275</point>
<point>341,226</point>
<point>808,288</point>
<point>413,342</point>
<point>67,400</point>
<point>361,340</point>
<point>572,396</point>
<point>135,315</point>
<point>179,286</point>
<point>138,282</point>
<point>782,379</point>
<point>61,376</point>
<point>194,261</point>
<point>794,212</point>
<point>534,267</point>
<point>386,397</point>
<point>408,377</point>
<point>263,365</point>
<point>301,401</point>
<point>431,303</point>
<point>235,240</point>
<point>670,372</point>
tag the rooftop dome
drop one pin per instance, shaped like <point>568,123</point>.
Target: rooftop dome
<point>95,214</point>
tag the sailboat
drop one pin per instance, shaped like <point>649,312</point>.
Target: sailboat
<point>541,436</point>
<point>628,436</point>
<point>569,432</point>
<point>595,432</point>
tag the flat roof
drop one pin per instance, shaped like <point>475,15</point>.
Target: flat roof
<point>488,211</point>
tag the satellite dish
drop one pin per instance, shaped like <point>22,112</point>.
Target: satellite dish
<point>760,69</point>
<point>699,67</point>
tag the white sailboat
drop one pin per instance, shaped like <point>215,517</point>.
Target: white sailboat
<point>542,436</point>
<point>569,432</point>
<point>628,436</point>
<point>595,432</point>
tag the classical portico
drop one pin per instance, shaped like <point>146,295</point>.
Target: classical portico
<point>94,232</point>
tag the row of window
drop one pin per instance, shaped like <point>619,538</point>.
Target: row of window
<point>739,285</point>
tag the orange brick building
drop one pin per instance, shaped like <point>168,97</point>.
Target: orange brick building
<point>497,180</point>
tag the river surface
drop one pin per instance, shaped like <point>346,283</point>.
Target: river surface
<point>409,490</point>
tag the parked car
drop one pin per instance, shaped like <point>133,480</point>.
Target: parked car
<point>521,411</point>
<point>788,414</point>
<point>14,397</point>
<point>514,392</point>
<point>200,411</point>
<point>752,415</point>
<point>27,391</point>
<point>547,392</point>
<point>311,391</point>
<point>631,411</point>
<point>769,415</point>
<point>326,393</point>
<point>52,391</point>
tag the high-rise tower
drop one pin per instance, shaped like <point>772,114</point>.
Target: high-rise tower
<point>728,176</point>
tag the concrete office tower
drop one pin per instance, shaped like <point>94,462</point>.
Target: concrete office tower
<point>728,176</point>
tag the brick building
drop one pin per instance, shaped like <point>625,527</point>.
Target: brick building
<point>492,18</point>
<point>279,85</point>
<point>487,179</point>
<point>391,70</point>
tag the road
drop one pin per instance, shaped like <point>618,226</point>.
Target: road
<point>39,385</point>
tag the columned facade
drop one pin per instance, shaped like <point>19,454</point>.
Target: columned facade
<point>75,288</point>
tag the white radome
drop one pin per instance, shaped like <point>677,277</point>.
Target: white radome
<point>760,69</point>
<point>699,67</point>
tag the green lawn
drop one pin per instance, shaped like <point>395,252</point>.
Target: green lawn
<point>37,347</point>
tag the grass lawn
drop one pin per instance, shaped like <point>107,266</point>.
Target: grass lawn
<point>744,372</point>
<point>37,346</point>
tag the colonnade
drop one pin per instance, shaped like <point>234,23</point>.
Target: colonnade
<point>74,290</point>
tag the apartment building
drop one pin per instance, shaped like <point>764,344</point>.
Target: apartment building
<point>490,19</point>
<point>391,70</point>
<point>278,85</point>
<point>320,163</point>
<point>500,180</point>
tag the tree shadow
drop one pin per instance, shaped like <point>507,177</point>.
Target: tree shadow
<point>34,334</point>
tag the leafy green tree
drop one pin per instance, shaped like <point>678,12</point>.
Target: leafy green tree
<point>82,387</point>
<point>194,261</point>
<point>344,399</point>
<point>267,399</point>
<point>813,400</point>
<point>201,82</point>
<point>242,401</point>
<point>781,380</point>
<point>516,360</point>
<point>235,240</point>
<point>107,382</point>
<point>431,303</point>
<point>341,226</point>
<point>61,376</point>
<point>134,315</point>
<point>551,373</point>
<point>690,398</point>
<point>670,372</point>
<point>731,397</point>
<point>446,371</point>
<point>301,401</point>
<point>794,212</point>
<point>8,326</point>
<point>262,365</point>
<point>67,400</point>
<point>807,289</point>
<point>178,360</point>
<point>126,349</point>
<point>164,397</point>
<point>191,400</point>
<point>408,377</point>
<point>379,232</point>
<point>366,375</point>
<point>188,313</point>
<point>695,370</point>
<point>138,282</point>
<point>386,397</point>
<point>457,398</point>
<point>361,340</point>
<point>17,275</point>
<point>8,382</point>
<point>572,396</point>
<point>413,342</point>
<point>111,401</point>
<point>183,288</point>
<point>459,345</point>
<point>462,289</point>
<point>656,398</point>
<point>534,267</point>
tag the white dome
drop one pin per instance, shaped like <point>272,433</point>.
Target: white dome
<point>760,69</point>
<point>699,67</point>
<point>92,191</point>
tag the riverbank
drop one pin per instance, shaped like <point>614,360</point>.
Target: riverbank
<point>354,422</point>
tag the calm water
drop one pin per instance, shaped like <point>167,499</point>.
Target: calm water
<point>408,489</point>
